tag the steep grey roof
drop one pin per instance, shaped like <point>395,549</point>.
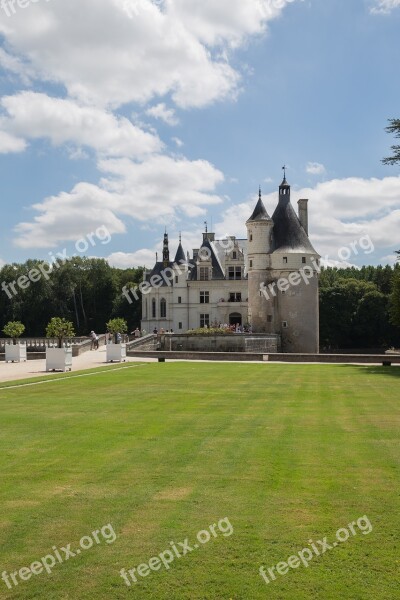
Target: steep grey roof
<point>180,255</point>
<point>260,212</point>
<point>217,272</point>
<point>288,233</point>
<point>157,270</point>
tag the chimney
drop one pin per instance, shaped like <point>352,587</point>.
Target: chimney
<point>303,214</point>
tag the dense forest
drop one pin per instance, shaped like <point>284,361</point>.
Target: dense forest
<point>358,307</point>
<point>85,291</point>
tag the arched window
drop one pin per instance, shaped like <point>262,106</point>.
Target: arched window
<point>163,308</point>
<point>153,308</point>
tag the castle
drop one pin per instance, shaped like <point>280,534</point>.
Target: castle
<point>268,281</point>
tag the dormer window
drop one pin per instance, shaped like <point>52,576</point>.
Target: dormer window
<point>234,255</point>
<point>234,273</point>
<point>204,273</point>
<point>285,260</point>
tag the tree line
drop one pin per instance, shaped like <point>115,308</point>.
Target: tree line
<point>359,308</point>
<point>86,291</point>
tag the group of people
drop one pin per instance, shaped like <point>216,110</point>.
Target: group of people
<point>162,331</point>
<point>109,338</point>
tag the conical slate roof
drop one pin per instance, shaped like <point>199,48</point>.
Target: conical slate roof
<point>180,255</point>
<point>260,212</point>
<point>288,232</point>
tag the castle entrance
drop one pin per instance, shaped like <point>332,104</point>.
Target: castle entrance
<point>235,319</point>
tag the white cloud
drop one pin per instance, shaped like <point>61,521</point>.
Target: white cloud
<point>390,259</point>
<point>15,65</point>
<point>385,6</point>
<point>315,168</point>
<point>68,217</point>
<point>33,115</point>
<point>178,142</point>
<point>170,49</point>
<point>10,143</point>
<point>226,21</point>
<point>160,111</point>
<point>126,260</point>
<point>158,190</point>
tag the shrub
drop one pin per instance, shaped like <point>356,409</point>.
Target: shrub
<point>14,330</point>
<point>210,331</point>
<point>60,329</point>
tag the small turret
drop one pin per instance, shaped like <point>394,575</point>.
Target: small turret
<point>180,255</point>
<point>165,250</point>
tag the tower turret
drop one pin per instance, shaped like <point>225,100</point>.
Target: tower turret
<point>259,236</point>
<point>165,250</point>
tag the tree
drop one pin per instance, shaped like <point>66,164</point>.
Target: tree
<point>394,127</point>
<point>14,330</point>
<point>395,300</point>
<point>116,326</point>
<point>61,329</point>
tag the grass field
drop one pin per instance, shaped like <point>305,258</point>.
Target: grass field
<point>284,453</point>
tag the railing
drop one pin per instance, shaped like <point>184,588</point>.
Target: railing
<point>39,344</point>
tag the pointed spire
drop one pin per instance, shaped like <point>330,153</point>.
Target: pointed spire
<point>166,249</point>
<point>180,255</point>
<point>284,188</point>
<point>260,212</point>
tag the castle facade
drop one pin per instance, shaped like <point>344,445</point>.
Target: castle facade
<point>267,281</point>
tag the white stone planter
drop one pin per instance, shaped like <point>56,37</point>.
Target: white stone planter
<point>15,353</point>
<point>58,359</point>
<point>116,352</point>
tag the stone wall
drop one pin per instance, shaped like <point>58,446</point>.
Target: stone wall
<point>221,343</point>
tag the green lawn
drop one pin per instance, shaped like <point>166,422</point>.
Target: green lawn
<point>286,453</point>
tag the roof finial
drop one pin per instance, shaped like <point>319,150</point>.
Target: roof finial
<point>259,193</point>
<point>180,237</point>
<point>284,172</point>
<point>206,225</point>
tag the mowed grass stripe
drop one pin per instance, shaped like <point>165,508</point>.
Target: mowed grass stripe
<point>286,452</point>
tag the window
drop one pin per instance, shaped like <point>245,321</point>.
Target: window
<point>180,326</point>
<point>251,237</point>
<point>304,260</point>
<point>204,320</point>
<point>284,324</point>
<point>163,308</point>
<point>204,297</point>
<point>269,319</point>
<point>251,264</point>
<point>285,260</point>
<point>235,297</point>
<point>234,255</point>
<point>234,273</point>
<point>179,299</point>
<point>176,279</point>
<point>204,274</point>
<point>153,309</point>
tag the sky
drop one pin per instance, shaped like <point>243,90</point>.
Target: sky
<point>133,116</point>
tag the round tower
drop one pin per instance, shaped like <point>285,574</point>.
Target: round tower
<point>259,237</point>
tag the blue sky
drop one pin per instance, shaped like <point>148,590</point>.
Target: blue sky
<point>139,115</point>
